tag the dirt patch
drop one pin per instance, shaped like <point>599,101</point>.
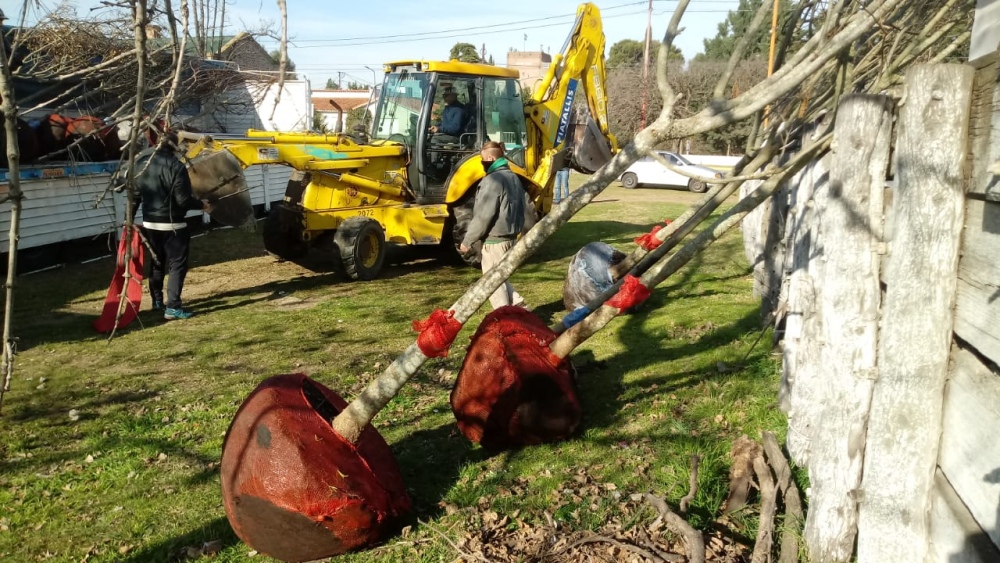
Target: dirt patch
<point>615,192</point>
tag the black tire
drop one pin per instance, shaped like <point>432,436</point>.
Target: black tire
<point>283,236</point>
<point>360,243</point>
<point>630,180</point>
<point>697,187</point>
<point>461,216</point>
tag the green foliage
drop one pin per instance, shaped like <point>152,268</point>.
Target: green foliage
<point>358,86</point>
<point>465,52</point>
<point>289,65</point>
<point>735,27</point>
<point>319,123</point>
<point>358,116</point>
<point>630,52</point>
<point>331,84</point>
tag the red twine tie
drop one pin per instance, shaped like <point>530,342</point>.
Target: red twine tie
<point>649,241</point>
<point>631,294</point>
<point>437,333</point>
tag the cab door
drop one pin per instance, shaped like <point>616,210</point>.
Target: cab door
<point>503,116</point>
<point>452,133</point>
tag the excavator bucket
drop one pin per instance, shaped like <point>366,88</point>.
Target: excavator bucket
<point>591,151</point>
<point>216,176</point>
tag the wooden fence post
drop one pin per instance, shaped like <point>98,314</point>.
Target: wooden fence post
<point>796,301</point>
<point>904,426</point>
<point>831,397</point>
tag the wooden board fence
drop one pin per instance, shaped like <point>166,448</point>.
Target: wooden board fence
<point>897,302</point>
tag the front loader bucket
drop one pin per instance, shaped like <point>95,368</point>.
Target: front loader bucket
<point>218,178</point>
<point>591,151</point>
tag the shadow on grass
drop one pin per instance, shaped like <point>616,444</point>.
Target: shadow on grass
<point>171,550</point>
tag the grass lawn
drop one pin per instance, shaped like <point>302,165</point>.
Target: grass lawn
<point>132,474</point>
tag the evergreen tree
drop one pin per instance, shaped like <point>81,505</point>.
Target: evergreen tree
<point>629,52</point>
<point>465,52</point>
<point>289,66</point>
<point>735,26</point>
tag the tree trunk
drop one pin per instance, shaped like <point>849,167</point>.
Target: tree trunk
<point>16,198</point>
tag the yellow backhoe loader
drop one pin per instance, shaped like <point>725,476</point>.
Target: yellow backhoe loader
<point>411,180</point>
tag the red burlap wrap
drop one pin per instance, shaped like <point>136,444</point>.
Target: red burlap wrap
<point>437,332</point>
<point>295,490</point>
<point>630,294</point>
<point>512,391</point>
<point>649,241</point>
<point>133,291</point>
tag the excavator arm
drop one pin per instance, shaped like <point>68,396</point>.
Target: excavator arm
<point>578,67</point>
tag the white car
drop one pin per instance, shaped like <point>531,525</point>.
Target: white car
<point>647,171</point>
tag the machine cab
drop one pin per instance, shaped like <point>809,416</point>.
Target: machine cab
<point>444,112</point>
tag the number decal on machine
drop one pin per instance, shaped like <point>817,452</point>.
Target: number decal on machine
<point>267,153</point>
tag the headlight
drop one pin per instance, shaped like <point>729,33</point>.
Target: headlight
<point>718,175</point>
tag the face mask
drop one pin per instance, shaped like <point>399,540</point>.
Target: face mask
<point>487,164</point>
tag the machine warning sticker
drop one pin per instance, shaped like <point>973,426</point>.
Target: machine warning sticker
<point>267,153</point>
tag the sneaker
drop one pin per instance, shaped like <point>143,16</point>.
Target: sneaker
<point>176,314</point>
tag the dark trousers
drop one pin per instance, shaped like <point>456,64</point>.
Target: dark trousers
<point>171,249</point>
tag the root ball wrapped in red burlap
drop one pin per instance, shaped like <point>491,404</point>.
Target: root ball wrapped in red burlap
<point>295,490</point>
<point>511,390</point>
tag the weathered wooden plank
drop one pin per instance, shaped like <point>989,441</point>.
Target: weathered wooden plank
<point>830,403</point>
<point>799,287</point>
<point>955,535</point>
<point>977,311</point>
<point>753,226</point>
<point>905,421</point>
<point>984,129</point>
<point>969,456</point>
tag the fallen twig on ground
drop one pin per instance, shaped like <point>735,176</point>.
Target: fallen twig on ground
<point>693,488</point>
<point>693,540</point>
<point>765,529</point>
<point>789,550</point>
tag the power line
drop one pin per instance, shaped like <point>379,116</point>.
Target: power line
<point>438,34</point>
<point>465,29</point>
<point>465,33</point>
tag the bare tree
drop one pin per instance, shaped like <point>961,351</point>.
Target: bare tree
<point>16,197</point>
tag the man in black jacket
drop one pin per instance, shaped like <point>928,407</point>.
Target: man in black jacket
<point>164,188</point>
<point>501,211</point>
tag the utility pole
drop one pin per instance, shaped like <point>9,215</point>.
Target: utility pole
<point>645,66</point>
<point>340,80</point>
<point>771,54</point>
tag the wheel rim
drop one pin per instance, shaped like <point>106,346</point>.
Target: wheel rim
<point>369,250</point>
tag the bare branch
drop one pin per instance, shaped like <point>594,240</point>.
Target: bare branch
<point>740,50</point>
<point>693,540</point>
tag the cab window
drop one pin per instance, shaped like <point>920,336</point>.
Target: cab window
<point>399,106</point>
<point>503,114</point>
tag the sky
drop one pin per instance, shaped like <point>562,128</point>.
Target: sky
<point>353,37</point>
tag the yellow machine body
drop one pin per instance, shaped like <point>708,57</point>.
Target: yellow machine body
<point>417,186</point>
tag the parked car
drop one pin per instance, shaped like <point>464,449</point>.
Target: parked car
<point>647,171</point>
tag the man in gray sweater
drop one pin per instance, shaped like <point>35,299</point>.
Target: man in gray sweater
<point>499,216</point>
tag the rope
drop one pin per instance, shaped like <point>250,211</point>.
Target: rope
<point>437,332</point>
<point>631,294</point>
<point>576,316</point>
<point>649,241</point>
